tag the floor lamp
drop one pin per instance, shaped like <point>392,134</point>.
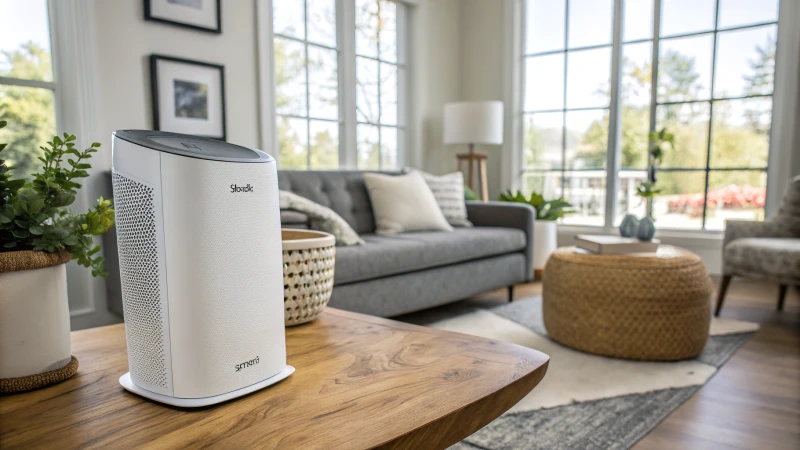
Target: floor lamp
<point>474,123</point>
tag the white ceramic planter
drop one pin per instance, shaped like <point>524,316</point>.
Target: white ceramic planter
<point>34,321</point>
<point>545,239</point>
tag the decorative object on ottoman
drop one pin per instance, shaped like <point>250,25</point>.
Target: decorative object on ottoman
<point>38,236</point>
<point>545,236</point>
<point>628,226</point>
<point>614,245</point>
<point>652,306</point>
<point>474,123</point>
<point>646,229</point>
<point>308,262</point>
<point>659,142</point>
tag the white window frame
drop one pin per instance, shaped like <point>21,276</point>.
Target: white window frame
<point>346,47</point>
<point>71,24</point>
<point>783,138</point>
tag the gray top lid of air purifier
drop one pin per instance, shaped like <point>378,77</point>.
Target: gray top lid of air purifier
<point>192,146</point>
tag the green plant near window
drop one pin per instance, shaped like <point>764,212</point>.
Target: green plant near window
<point>35,214</point>
<point>660,141</point>
<point>469,194</point>
<point>545,209</point>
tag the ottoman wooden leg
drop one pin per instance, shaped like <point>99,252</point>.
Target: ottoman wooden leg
<point>511,293</point>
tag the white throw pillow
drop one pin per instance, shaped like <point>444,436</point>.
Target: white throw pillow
<point>449,192</point>
<point>404,203</point>
<point>328,220</point>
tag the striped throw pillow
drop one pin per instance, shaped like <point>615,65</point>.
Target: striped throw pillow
<point>449,192</point>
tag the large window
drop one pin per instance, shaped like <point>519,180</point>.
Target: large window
<point>315,50</point>
<point>712,64</point>
<point>27,84</point>
<point>379,73</point>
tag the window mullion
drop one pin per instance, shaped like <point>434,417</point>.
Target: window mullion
<point>710,114</point>
<point>654,81</point>
<point>346,32</point>
<point>564,100</point>
<point>614,117</point>
<point>308,86</point>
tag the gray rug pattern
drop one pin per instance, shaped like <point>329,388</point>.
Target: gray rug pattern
<point>609,423</point>
<point>612,423</point>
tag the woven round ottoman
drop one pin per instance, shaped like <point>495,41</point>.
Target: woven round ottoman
<point>645,306</point>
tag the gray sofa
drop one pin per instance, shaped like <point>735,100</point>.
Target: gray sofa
<point>392,275</point>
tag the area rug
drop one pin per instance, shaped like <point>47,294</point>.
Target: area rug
<point>587,401</point>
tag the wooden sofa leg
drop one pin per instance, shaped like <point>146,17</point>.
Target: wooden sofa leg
<point>782,296</point>
<point>511,293</point>
<point>723,289</point>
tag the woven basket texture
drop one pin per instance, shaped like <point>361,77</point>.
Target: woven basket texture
<point>652,307</point>
<point>40,380</point>
<point>307,283</point>
<point>29,259</point>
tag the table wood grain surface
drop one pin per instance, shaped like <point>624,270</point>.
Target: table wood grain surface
<point>361,382</point>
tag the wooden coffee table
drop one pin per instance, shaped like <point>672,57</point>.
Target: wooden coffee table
<point>361,382</point>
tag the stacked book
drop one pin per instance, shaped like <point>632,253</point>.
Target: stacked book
<point>614,245</point>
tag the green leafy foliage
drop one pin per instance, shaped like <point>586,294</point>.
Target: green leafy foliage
<point>646,190</point>
<point>469,194</point>
<point>35,215</point>
<point>545,209</point>
<point>660,141</point>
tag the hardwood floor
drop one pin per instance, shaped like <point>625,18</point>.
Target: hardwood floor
<point>753,402</point>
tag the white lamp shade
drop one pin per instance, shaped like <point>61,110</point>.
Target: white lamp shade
<point>473,123</point>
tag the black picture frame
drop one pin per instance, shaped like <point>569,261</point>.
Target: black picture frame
<point>218,30</point>
<point>154,59</point>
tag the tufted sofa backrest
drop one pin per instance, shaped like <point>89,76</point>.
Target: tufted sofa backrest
<point>343,191</point>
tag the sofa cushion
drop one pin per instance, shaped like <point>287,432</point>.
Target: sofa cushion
<point>408,252</point>
<point>342,191</point>
<point>772,258</point>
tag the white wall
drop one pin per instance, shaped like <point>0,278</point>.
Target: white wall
<point>435,79</point>
<point>481,39</point>
<point>125,41</point>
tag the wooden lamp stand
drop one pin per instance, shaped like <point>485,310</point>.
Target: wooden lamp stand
<point>475,159</point>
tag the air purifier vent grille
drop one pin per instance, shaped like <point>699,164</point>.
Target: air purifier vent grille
<point>138,257</point>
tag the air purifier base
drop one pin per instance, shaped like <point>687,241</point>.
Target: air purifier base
<point>127,383</point>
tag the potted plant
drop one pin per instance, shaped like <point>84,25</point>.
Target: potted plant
<point>39,234</point>
<point>645,228</point>
<point>545,235</point>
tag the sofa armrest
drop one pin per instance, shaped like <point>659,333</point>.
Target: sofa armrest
<point>506,214</point>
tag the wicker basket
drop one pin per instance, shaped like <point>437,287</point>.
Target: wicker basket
<point>308,260</point>
<point>640,306</point>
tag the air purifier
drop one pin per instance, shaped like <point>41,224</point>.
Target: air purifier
<point>199,243</point>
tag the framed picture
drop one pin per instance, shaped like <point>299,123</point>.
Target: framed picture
<point>188,96</point>
<point>201,15</point>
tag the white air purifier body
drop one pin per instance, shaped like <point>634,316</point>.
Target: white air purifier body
<point>199,241</point>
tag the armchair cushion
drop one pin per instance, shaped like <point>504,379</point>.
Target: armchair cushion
<point>775,259</point>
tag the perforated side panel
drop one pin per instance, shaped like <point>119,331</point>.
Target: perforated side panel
<point>141,295</point>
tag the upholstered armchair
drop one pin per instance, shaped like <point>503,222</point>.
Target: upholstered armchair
<point>768,250</point>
